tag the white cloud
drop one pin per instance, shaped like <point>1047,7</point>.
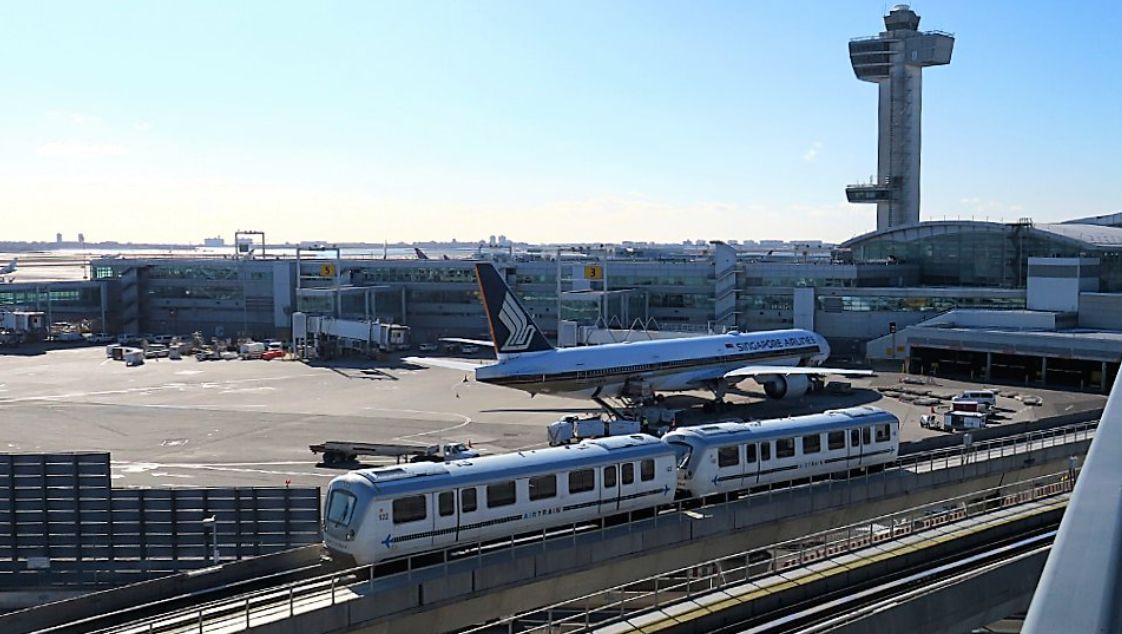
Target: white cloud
<point>812,152</point>
<point>142,126</point>
<point>72,149</point>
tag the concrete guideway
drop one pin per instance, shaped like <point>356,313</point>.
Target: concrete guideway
<point>720,592</point>
<point>487,585</point>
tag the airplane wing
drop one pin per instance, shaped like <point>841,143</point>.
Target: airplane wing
<point>440,362</point>
<point>764,370</point>
<point>471,342</point>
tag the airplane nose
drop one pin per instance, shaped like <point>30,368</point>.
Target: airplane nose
<point>824,346</point>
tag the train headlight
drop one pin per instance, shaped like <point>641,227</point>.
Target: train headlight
<point>350,534</point>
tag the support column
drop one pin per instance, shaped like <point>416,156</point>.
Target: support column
<point>1044,370</point>
<point>1103,387</point>
<point>988,376</point>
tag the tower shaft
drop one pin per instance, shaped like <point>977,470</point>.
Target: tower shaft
<point>895,60</point>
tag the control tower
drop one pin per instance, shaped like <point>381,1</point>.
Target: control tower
<point>895,60</point>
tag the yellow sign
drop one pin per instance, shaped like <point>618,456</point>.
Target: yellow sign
<point>327,270</point>
<point>593,272</point>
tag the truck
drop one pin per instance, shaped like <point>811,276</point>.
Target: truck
<point>569,428</point>
<point>345,453</point>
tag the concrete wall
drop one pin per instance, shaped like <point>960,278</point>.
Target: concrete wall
<point>1100,310</point>
<point>1055,283</point>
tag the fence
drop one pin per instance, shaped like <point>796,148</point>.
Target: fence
<point>62,523</point>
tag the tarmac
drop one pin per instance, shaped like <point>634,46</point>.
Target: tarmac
<point>249,423</point>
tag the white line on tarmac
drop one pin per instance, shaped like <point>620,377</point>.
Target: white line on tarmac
<point>238,467</point>
<point>151,388</point>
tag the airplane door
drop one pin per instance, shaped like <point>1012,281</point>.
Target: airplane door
<point>445,518</point>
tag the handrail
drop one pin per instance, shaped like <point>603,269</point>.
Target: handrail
<point>246,604</point>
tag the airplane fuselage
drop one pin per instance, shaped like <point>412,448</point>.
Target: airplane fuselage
<point>664,365</point>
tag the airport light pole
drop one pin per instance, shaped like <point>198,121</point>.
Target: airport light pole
<point>210,536</point>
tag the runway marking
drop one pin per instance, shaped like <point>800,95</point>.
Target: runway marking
<point>236,467</point>
<point>149,388</point>
<point>407,437</point>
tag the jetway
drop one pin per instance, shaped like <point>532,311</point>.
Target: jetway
<point>321,335</point>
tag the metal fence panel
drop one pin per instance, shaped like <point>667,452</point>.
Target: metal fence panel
<point>61,522</point>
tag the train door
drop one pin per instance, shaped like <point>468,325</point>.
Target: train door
<point>765,473</point>
<point>628,484</point>
<point>609,489</point>
<point>445,519</point>
<point>751,464</point>
<point>468,514</point>
<point>854,448</point>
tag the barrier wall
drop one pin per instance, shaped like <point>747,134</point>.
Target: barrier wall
<point>62,523</point>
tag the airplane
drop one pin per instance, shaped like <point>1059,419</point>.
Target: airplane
<point>10,267</point>
<point>421,255</point>
<point>787,363</point>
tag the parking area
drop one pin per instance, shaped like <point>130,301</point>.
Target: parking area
<point>191,423</point>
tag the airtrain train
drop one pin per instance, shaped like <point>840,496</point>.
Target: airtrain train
<point>374,515</point>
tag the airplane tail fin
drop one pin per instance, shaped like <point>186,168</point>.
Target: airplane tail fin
<point>512,328</point>
<point>421,255</point>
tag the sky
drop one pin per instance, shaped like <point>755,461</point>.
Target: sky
<point>543,121</point>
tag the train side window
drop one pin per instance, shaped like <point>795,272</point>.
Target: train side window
<point>542,487</point>
<point>883,433</point>
<point>784,447</point>
<point>750,453</point>
<point>765,451</point>
<point>581,481</point>
<point>410,509</point>
<point>812,443</point>
<point>646,470</point>
<point>610,476</point>
<point>628,472</point>
<point>855,438</point>
<point>728,456</point>
<point>866,435</point>
<point>835,440</point>
<point>446,503</point>
<point>468,500</point>
<point>500,494</point>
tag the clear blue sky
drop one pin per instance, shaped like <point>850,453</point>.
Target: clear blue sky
<point>560,121</point>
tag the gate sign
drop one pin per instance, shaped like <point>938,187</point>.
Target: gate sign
<point>593,272</point>
<point>327,270</point>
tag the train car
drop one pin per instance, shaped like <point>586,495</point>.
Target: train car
<point>377,514</point>
<point>725,457</point>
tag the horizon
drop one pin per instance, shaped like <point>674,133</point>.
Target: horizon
<point>641,122</point>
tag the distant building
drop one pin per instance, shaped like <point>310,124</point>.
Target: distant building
<point>216,241</point>
<point>81,238</point>
<point>58,238</point>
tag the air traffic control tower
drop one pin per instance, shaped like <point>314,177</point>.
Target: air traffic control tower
<point>895,60</point>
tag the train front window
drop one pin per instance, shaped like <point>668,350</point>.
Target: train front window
<point>340,507</point>
<point>682,452</point>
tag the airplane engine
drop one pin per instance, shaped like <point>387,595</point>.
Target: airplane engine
<point>787,386</point>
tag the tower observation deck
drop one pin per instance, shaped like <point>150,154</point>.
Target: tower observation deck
<point>894,60</point>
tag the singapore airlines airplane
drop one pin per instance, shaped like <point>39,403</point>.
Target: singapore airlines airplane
<point>785,362</point>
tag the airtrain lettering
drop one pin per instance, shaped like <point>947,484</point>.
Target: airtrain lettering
<point>775,343</point>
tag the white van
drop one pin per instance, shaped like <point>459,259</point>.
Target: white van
<point>986,398</point>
